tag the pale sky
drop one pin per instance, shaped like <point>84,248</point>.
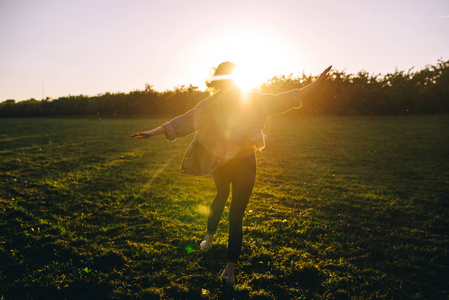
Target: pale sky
<point>55,48</point>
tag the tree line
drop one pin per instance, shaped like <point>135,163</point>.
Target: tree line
<point>403,92</point>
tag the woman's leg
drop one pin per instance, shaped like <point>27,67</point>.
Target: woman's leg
<point>222,182</point>
<point>243,177</point>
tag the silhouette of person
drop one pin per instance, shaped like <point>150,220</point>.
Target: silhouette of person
<point>228,127</point>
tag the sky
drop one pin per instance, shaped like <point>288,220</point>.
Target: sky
<point>56,48</point>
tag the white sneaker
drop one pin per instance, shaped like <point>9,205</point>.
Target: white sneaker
<point>205,246</point>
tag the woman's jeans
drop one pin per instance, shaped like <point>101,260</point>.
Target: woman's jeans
<point>241,174</point>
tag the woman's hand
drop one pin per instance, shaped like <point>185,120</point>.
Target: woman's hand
<point>309,89</point>
<point>324,75</point>
<point>142,134</point>
<point>147,134</point>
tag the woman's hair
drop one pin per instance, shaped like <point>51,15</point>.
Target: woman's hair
<point>221,77</point>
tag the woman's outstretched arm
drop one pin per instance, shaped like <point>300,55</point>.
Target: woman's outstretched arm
<point>150,133</point>
<point>180,126</point>
<point>283,102</point>
<point>308,89</point>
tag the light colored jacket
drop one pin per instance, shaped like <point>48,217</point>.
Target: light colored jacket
<point>226,124</point>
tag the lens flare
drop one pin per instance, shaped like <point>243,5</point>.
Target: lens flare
<point>258,54</point>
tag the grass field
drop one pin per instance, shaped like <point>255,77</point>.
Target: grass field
<point>343,208</point>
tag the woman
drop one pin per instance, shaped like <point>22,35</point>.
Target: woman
<point>228,128</point>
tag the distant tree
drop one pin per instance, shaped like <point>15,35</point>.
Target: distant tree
<point>181,99</point>
<point>422,92</point>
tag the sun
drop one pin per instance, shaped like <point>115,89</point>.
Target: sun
<point>257,56</point>
<point>257,62</point>
<point>247,77</point>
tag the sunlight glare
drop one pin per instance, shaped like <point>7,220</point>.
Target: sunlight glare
<point>258,57</point>
<point>202,209</point>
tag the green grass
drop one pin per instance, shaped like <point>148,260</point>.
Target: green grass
<point>343,207</point>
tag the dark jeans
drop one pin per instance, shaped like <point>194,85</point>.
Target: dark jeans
<point>241,173</point>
